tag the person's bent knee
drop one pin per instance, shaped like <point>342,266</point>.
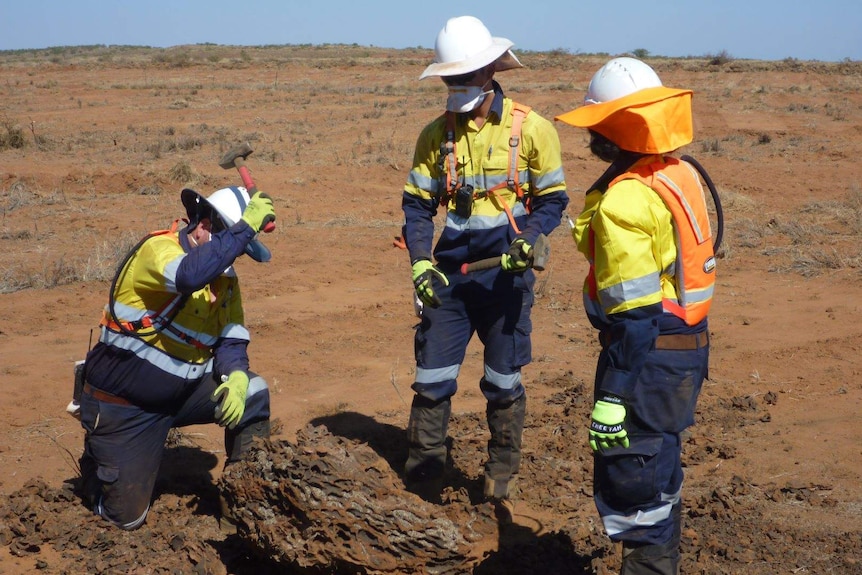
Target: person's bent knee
<point>501,395</point>
<point>124,504</point>
<point>257,402</point>
<point>437,391</point>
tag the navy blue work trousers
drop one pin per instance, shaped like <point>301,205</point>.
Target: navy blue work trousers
<point>636,487</point>
<point>495,305</point>
<point>123,446</point>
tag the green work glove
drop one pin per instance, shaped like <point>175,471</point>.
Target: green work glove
<point>230,396</point>
<point>519,257</point>
<point>423,274</point>
<point>606,428</point>
<point>259,211</point>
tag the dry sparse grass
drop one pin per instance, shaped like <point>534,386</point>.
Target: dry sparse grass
<point>183,173</point>
<point>189,79</point>
<point>17,196</point>
<point>821,236</point>
<point>824,236</point>
<point>11,135</point>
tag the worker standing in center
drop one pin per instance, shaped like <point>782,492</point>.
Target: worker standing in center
<point>495,168</point>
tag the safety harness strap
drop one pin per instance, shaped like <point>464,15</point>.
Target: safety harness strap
<point>157,321</point>
<point>448,157</point>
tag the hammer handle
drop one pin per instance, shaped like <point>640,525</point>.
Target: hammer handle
<point>250,187</point>
<point>541,252</point>
<point>485,264</point>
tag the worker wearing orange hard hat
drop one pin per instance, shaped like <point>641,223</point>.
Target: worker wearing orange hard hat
<point>646,233</point>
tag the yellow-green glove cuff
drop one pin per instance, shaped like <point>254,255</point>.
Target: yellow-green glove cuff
<point>259,211</point>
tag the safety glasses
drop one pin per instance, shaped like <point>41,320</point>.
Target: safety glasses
<point>461,80</point>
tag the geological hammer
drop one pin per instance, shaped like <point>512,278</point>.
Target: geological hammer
<point>235,158</point>
<point>541,253</point>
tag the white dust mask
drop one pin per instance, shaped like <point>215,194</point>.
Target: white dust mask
<point>466,98</point>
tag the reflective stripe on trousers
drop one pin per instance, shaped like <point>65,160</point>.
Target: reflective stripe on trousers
<point>494,305</point>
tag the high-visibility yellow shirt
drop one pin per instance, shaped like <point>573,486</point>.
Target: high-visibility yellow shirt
<point>635,251</point>
<point>482,154</point>
<point>148,284</point>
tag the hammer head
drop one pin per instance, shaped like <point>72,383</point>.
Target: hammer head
<point>242,151</point>
<point>541,252</point>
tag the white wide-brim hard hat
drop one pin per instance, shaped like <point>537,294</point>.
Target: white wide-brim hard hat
<point>229,204</point>
<point>465,45</point>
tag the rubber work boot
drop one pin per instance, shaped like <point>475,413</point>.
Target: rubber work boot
<point>237,443</point>
<point>655,559</point>
<point>426,447</point>
<point>506,425</point>
<point>501,494</point>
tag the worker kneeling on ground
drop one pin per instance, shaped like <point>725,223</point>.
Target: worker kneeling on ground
<point>646,234</point>
<point>172,352</point>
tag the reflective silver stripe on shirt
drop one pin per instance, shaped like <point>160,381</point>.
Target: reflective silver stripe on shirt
<point>170,273</point>
<point>235,331</point>
<point>486,181</point>
<point>422,182</point>
<point>455,222</point>
<point>549,179</point>
<point>155,356</point>
<point>629,290</point>
<point>129,313</point>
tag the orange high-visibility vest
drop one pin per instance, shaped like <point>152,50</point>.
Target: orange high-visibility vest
<point>679,186</point>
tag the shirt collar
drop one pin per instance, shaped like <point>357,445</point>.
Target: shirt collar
<point>497,104</point>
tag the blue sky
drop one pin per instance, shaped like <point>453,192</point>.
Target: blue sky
<point>827,30</point>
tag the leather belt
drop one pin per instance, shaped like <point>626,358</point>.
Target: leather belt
<point>682,341</point>
<point>676,342</point>
<point>105,396</point>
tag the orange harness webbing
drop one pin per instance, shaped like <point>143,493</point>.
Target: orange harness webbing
<point>156,321</point>
<point>519,112</point>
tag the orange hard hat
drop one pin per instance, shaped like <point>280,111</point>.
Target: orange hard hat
<point>627,104</point>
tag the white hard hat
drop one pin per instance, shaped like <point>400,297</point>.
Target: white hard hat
<point>229,204</point>
<point>618,78</point>
<point>464,45</point>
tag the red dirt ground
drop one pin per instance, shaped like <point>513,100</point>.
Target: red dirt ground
<point>111,136</point>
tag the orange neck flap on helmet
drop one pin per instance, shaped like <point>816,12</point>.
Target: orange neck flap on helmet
<point>649,121</point>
